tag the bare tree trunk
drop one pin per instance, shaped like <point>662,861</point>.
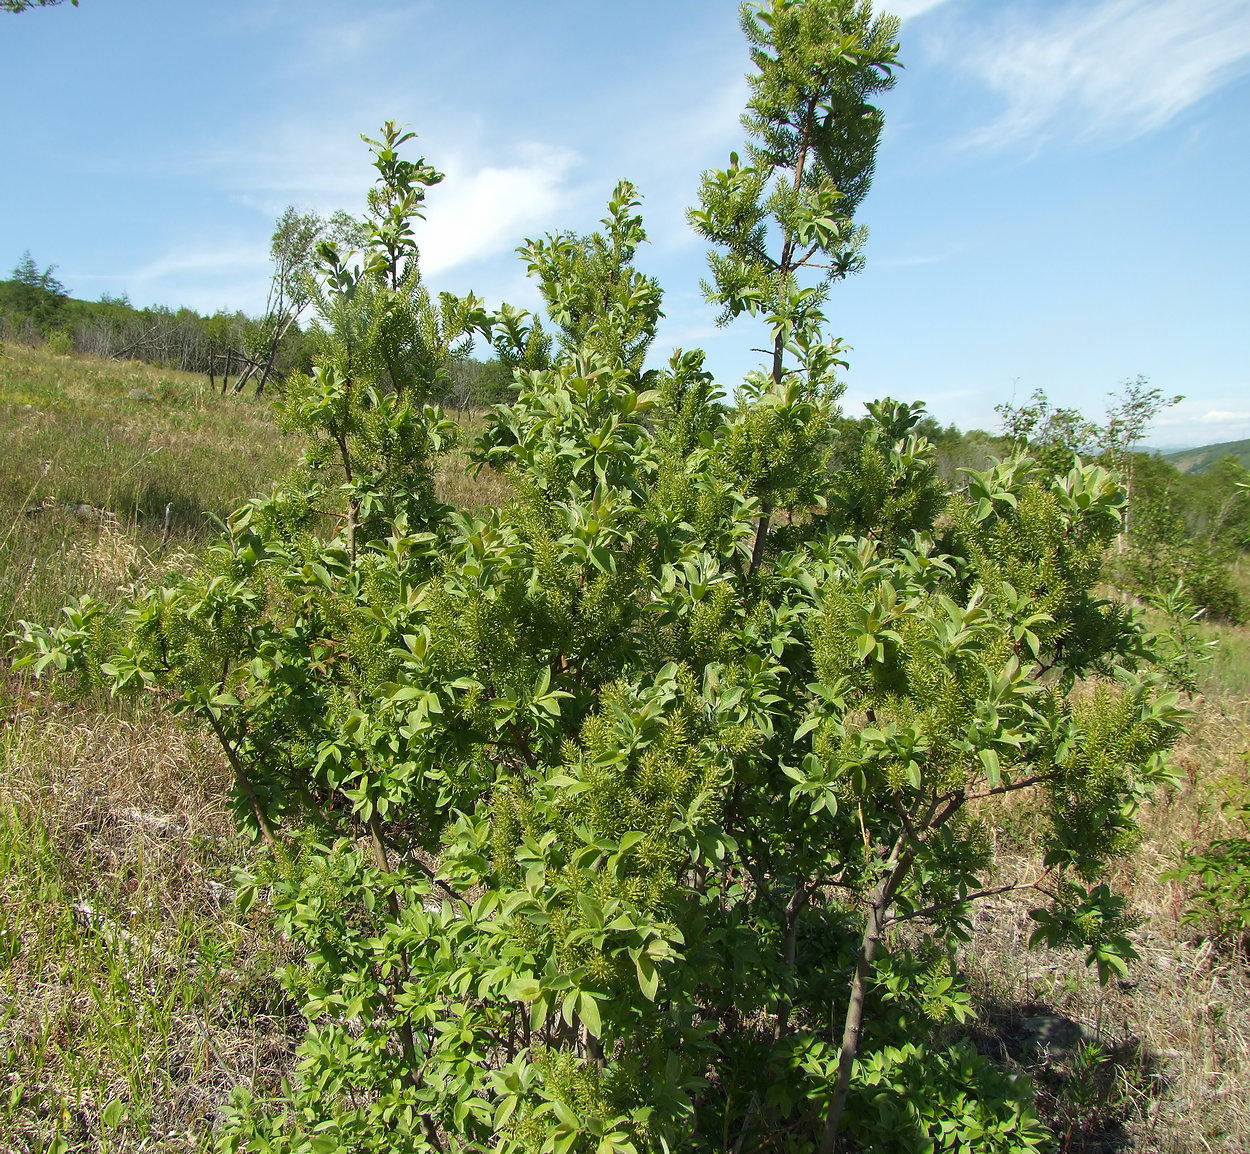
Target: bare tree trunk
<point>761,536</point>
<point>853,1023</point>
<point>244,376</point>
<point>794,909</point>
<point>272,354</point>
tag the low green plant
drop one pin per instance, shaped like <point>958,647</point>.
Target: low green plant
<point>1218,876</point>
<point>916,1099</point>
<point>59,342</point>
<point>1091,1096</point>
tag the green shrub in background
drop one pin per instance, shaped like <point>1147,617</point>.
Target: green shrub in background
<point>1219,877</point>
<point>1178,528</point>
<point>1190,529</point>
<point>645,813</point>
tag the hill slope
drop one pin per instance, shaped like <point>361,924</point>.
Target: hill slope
<point>1200,459</point>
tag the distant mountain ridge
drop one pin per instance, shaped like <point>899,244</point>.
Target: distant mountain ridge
<point>1200,459</point>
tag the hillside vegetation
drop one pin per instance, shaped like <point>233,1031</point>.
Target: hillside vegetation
<point>1201,459</point>
<point>110,468</point>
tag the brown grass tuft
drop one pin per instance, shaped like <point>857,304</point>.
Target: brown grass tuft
<point>132,998</point>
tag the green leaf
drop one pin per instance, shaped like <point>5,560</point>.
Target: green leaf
<point>523,988</point>
<point>588,1011</point>
<point>648,977</point>
<point>112,1114</point>
<point>567,1117</point>
<point>993,771</point>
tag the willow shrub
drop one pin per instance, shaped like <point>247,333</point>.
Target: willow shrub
<point>645,813</point>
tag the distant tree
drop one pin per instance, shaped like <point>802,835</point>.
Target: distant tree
<point>1128,417</point>
<point>27,273</point>
<point>1057,435</point>
<point>1187,528</point>
<point>293,250</point>
<point>1051,434</point>
<point>33,296</point>
<point>22,5</point>
<point>474,384</point>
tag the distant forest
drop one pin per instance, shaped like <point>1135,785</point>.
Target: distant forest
<point>235,351</point>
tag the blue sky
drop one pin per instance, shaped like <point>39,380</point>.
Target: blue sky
<point>1060,197</point>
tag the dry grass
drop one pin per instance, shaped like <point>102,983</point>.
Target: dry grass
<point>1159,1062</point>
<point>463,487</point>
<point>104,466</point>
<point>132,998</point>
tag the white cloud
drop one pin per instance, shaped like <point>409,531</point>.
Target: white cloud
<point>909,9</point>
<point>315,167</point>
<point>1106,69</point>
<point>204,278</point>
<point>1194,423</point>
<point>201,260</point>
<point>485,211</point>
<point>1224,416</point>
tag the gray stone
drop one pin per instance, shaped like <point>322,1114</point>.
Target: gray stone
<point>1050,1035</point>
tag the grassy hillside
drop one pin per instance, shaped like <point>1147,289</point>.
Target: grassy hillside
<point>131,996</point>
<point>107,469</point>
<point>1201,459</point>
<point>135,996</point>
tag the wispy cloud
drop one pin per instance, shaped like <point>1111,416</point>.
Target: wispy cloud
<point>1200,423</point>
<point>1108,69</point>
<point>909,261</point>
<point>203,277</point>
<point>200,260</point>
<point>909,9</point>
<point>292,161</point>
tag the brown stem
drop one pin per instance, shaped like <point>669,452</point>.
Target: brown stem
<point>898,865</point>
<point>240,778</point>
<point>446,887</point>
<point>752,1107</point>
<point>353,503</point>
<point>761,535</point>
<point>779,348</point>
<point>937,907</point>
<point>1011,787</point>
<point>794,908</point>
<point>381,859</point>
<point>853,1023</point>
